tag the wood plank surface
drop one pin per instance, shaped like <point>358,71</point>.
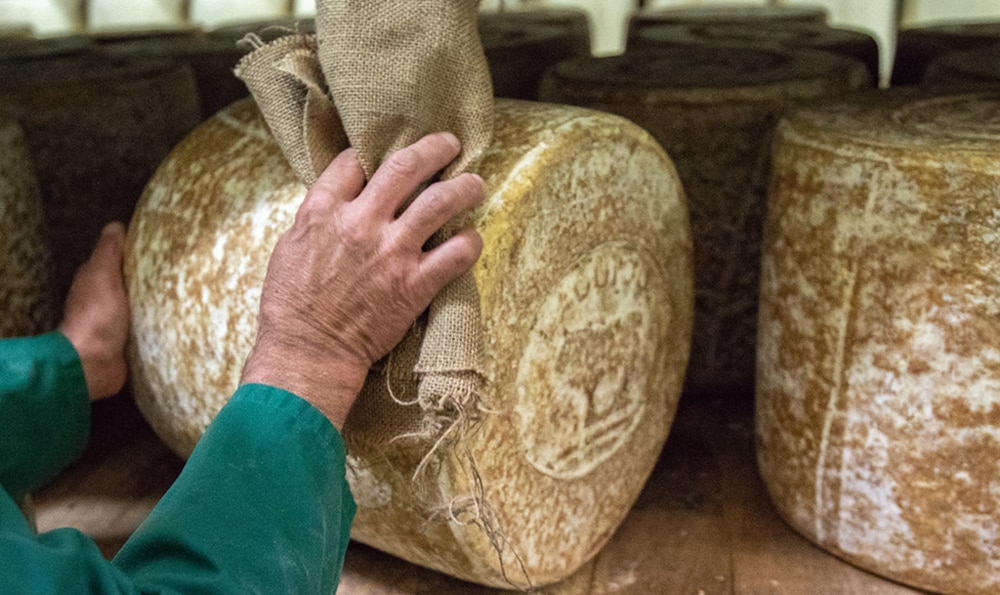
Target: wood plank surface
<point>702,526</point>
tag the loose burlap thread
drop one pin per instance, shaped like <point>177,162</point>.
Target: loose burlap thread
<point>378,76</point>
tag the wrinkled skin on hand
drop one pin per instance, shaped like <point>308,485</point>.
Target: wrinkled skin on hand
<point>350,276</point>
<point>96,315</point>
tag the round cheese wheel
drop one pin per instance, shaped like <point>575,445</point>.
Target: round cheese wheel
<point>97,128</point>
<point>211,59</point>
<point>855,44</point>
<point>916,48</point>
<point>980,66</point>
<point>518,52</point>
<point>586,297</point>
<point>33,49</point>
<point>26,305</point>
<point>573,21</point>
<point>714,109</point>
<point>722,14</point>
<point>878,369</point>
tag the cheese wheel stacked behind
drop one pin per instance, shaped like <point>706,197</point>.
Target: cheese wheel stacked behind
<point>26,304</point>
<point>96,128</point>
<point>725,15</point>
<point>714,109</point>
<point>976,67</point>
<point>878,367</point>
<point>817,36</point>
<point>916,48</point>
<point>586,296</point>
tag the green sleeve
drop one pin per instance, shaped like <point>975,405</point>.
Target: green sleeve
<point>262,506</point>
<point>44,410</point>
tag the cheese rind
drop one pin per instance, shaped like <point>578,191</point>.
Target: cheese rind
<point>878,371</point>
<point>586,293</point>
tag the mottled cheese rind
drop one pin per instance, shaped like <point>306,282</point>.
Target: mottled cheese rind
<point>26,304</point>
<point>878,388</point>
<point>586,292</point>
<point>714,110</point>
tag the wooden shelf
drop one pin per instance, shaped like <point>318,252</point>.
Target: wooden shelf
<point>703,524</point>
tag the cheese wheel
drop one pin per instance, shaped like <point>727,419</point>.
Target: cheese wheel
<point>586,293</point>
<point>574,22</point>
<point>211,59</point>
<point>980,66</point>
<point>722,14</point>
<point>26,307</point>
<point>519,51</point>
<point>854,44</point>
<point>916,48</point>
<point>96,128</point>
<point>878,370</point>
<point>33,49</point>
<point>714,109</point>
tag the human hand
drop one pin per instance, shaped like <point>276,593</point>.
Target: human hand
<point>96,316</point>
<point>348,279</point>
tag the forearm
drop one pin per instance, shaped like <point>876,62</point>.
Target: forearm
<point>44,410</point>
<point>262,505</point>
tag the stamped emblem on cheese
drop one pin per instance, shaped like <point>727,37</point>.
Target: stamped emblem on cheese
<point>584,374</point>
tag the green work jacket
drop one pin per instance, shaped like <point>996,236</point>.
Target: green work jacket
<point>262,506</point>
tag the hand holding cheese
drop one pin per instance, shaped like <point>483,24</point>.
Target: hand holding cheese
<point>96,318</point>
<point>349,277</point>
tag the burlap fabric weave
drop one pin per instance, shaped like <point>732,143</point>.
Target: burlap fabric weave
<point>378,76</point>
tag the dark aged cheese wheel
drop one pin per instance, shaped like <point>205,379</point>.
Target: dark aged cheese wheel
<point>916,48</point>
<point>855,44</point>
<point>519,51</point>
<point>732,14</point>
<point>713,108</point>
<point>97,128</point>
<point>212,60</point>
<point>573,21</point>
<point>980,66</point>
<point>586,293</point>
<point>878,367</point>
<point>26,305</point>
<point>46,47</point>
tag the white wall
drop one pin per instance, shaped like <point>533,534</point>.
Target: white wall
<point>917,12</point>
<point>112,14</point>
<point>50,17</point>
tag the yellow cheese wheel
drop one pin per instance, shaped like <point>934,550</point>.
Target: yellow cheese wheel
<point>878,368</point>
<point>714,109</point>
<point>26,305</point>
<point>97,128</point>
<point>917,47</point>
<point>586,294</point>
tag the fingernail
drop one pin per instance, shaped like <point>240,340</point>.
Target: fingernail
<point>452,140</point>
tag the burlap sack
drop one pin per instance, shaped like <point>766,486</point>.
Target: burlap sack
<point>378,76</point>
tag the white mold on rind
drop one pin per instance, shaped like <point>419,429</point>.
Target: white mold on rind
<point>586,291</point>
